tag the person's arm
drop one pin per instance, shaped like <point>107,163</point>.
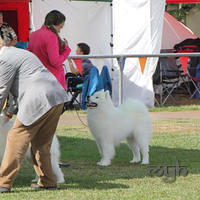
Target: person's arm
<point>7,74</point>
<point>55,58</point>
<point>72,68</point>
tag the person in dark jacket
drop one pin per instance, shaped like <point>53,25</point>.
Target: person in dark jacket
<point>82,67</point>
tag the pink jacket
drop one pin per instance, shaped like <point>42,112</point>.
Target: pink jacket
<point>45,45</point>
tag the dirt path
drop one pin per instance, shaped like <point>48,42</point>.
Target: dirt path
<point>195,114</point>
<point>72,118</point>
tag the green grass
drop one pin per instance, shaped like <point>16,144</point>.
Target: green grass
<point>175,108</point>
<point>171,141</point>
<point>164,108</point>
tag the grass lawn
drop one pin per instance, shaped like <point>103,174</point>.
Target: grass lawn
<point>170,108</point>
<point>171,141</point>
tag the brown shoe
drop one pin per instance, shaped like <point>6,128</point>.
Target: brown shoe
<point>35,185</point>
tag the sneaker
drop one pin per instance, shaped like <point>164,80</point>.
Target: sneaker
<point>4,190</point>
<point>64,165</point>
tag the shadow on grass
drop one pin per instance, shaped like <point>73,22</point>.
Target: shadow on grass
<point>85,150</point>
<point>82,155</point>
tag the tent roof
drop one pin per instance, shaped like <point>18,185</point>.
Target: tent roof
<point>182,1</point>
<point>174,32</point>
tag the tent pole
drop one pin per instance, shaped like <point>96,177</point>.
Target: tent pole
<point>111,42</point>
<point>30,17</point>
<point>121,58</point>
<point>111,35</point>
<point>112,59</point>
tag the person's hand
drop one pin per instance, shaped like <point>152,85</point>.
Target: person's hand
<point>8,116</point>
<point>65,41</point>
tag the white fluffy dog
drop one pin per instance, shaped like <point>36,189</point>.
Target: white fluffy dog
<point>110,125</point>
<point>55,151</point>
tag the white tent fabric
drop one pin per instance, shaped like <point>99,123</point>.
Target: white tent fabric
<point>136,29</point>
<point>86,21</point>
<point>174,32</point>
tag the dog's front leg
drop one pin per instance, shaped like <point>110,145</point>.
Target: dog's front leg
<point>99,147</point>
<point>108,152</point>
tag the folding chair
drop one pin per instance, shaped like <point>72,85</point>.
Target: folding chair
<point>194,78</point>
<point>190,66</point>
<point>86,86</point>
<point>74,87</point>
<point>166,79</point>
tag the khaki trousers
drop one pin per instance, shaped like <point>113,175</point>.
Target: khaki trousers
<point>39,135</point>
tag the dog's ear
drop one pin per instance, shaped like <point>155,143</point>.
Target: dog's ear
<point>107,94</point>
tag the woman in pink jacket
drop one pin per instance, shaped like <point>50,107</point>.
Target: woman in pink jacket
<point>47,45</point>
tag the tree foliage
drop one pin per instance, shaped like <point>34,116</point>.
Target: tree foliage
<point>183,11</point>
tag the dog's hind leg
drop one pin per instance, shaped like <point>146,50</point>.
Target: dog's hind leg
<point>141,135</point>
<point>135,149</point>
<point>144,148</point>
<point>145,154</point>
<point>108,152</point>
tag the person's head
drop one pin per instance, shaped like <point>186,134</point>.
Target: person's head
<point>55,19</point>
<point>1,18</point>
<point>82,49</point>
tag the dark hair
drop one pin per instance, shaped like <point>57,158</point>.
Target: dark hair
<point>84,48</point>
<point>55,18</point>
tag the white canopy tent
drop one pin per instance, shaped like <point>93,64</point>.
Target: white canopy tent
<point>86,21</point>
<point>136,29</point>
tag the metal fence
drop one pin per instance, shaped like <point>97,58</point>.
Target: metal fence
<point>120,58</point>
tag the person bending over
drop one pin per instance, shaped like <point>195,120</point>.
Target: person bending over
<point>40,100</point>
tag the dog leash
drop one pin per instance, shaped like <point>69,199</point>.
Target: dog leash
<point>80,118</point>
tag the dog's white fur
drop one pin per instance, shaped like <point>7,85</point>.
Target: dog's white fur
<point>110,125</point>
<point>55,149</point>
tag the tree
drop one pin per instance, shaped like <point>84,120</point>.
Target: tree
<point>181,11</point>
